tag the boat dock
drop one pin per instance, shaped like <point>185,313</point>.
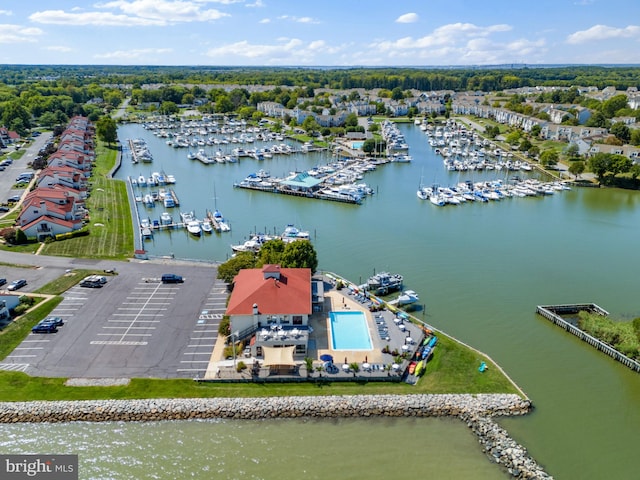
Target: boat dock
<point>553,312</point>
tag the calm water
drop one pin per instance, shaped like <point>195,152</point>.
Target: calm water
<point>480,269</point>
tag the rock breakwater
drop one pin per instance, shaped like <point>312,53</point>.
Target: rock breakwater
<point>476,410</point>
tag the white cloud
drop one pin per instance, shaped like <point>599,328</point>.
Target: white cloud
<point>257,4</point>
<point>287,51</point>
<point>18,34</point>
<point>447,35</point>
<point>6,12</point>
<point>407,18</point>
<point>58,48</point>
<point>133,13</point>
<point>603,32</point>
<point>455,44</point>
<point>298,19</point>
<point>265,20</point>
<point>134,54</point>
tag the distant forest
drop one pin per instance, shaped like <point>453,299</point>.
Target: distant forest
<point>425,79</point>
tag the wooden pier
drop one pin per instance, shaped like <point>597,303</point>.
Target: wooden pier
<point>553,312</point>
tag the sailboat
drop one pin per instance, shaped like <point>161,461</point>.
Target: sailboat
<point>217,215</point>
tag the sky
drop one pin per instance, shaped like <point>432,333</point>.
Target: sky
<point>320,33</point>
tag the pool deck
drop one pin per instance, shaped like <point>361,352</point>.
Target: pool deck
<point>336,300</point>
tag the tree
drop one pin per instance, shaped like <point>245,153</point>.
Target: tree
<point>107,130</point>
<point>513,137</point>
<point>397,94</point>
<point>48,119</point>
<point>351,120</point>
<point>299,254</point>
<point>229,269</point>
<point>535,130</point>
<point>168,108</point>
<point>572,151</point>
<point>549,158</point>
<point>610,107</point>
<point>621,131</point>
<point>270,253</point>
<point>576,168</point>
<point>310,125</point>
<point>599,165</point>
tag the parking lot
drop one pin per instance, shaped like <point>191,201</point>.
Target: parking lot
<point>133,326</point>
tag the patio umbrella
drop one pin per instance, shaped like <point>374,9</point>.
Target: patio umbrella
<point>366,359</point>
<point>326,358</point>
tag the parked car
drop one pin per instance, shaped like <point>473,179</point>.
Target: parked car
<point>14,198</point>
<point>172,278</point>
<point>4,209</point>
<point>3,281</point>
<point>93,281</point>
<point>57,321</point>
<point>16,284</point>
<point>45,328</point>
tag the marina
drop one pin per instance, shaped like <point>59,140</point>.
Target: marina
<point>465,262</point>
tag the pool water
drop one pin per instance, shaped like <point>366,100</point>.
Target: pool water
<point>356,145</point>
<point>349,331</point>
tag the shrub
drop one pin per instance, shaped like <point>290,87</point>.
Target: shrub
<point>241,366</point>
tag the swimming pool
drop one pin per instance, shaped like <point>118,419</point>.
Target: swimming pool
<point>357,145</point>
<point>349,331</point>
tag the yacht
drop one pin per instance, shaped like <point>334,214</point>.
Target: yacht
<point>408,297</point>
<point>193,227</point>
<point>206,226</point>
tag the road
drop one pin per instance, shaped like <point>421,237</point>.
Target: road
<point>8,177</point>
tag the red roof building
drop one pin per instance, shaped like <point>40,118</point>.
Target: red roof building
<point>270,295</point>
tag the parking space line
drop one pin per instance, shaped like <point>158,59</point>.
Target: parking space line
<point>132,308</point>
<point>204,338</point>
<point>35,341</point>
<point>208,345</point>
<point>196,361</point>
<point>139,321</point>
<point>130,334</point>
<point>21,356</point>
<point>116,342</point>
<point>138,315</point>
<point>197,353</point>
<point>130,327</point>
<point>28,348</point>
<point>15,367</point>
<point>191,370</point>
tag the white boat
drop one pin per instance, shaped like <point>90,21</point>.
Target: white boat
<point>291,234</point>
<point>142,181</point>
<point>252,245</point>
<point>166,218</point>
<point>206,226</point>
<point>193,227</point>
<point>437,199</point>
<point>408,297</point>
<point>219,218</point>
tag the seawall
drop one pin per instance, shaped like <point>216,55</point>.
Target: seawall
<point>475,410</point>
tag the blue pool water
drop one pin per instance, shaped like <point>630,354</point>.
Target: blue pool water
<point>356,145</point>
<point>349,331</point>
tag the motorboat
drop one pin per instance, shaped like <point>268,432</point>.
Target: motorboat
<point>408,297</point>
<point>166,218</point>
<point>194,228</point>
<point>384,282</point>
<point>291,234</point>
<point>206,226</point>
<point>219,219</point>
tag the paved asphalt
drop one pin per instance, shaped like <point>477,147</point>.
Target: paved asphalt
<point>8,176</point>
<point>134,326</point>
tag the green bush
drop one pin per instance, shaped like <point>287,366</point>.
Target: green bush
<point>77,233</point>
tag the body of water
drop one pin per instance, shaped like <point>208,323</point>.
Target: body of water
<point>480,269</point>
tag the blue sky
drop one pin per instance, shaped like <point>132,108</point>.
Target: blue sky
<point>323,33</point>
